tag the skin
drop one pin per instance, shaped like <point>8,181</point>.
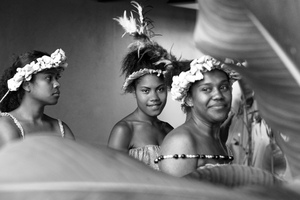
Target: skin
<point>210,102</point>
<point>142,127</point>
<point>41,91</point>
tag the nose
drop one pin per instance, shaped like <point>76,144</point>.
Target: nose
<point>217,94</point>
<point>56,84</point>
<point>154,96</point>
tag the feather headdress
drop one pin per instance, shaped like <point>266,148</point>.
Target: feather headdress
<point>145,56</point>
<point>140,28</point>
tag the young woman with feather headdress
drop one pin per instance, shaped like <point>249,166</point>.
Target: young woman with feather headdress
<point>141,132</point>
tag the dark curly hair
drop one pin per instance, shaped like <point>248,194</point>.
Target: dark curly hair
<point>13,99</point>
<point>142,58</point>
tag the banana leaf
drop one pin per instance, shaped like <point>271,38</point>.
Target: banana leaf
<point>48,168</point>
<point>228,29</point>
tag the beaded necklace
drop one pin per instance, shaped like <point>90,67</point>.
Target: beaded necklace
<point>197,156</point>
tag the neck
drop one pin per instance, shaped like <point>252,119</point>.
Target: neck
<point>207,128</point>
<point>140,115</point>
<point>30,111</point>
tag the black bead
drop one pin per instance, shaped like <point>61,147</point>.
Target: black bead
<point>183,156</point>
<point>217,157</point>
<point>175,156</point>
<point>202,156</point>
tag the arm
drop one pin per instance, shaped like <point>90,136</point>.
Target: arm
<point>120,137</point>
<point>8,131</point>
<point>178,143</point>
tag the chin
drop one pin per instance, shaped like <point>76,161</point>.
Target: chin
<point>220,118</point>
<point>154,114</point>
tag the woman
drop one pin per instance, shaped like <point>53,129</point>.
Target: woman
<point>141,132</point>
<point>29,85</point>
<point>205,94</point>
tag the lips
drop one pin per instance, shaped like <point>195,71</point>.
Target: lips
<point>154,105</point>
<point>218,106</point>
<point>56,93</point>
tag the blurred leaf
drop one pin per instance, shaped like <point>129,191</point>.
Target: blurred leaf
<point>234,32</point>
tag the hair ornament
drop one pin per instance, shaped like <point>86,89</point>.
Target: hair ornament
<point>138,74</point>
<point>137,27</point>
<point>55,60</point>
<point>182,82</point>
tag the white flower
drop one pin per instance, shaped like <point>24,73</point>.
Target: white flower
<point>57,59</point>
<point>182,83</point>
<point>138,74</point>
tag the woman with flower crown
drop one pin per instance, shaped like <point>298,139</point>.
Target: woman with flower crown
<point>30,84</point>
<point>141,132</point>
<point>205,93</point>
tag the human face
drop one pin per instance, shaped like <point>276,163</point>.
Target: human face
<point>151,94</point>
<point>45,86</point>
<point>211,97</point>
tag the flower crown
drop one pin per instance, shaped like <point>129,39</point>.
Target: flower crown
<point>57,59</point>
<point>198,67</point>
<point>138,74</point>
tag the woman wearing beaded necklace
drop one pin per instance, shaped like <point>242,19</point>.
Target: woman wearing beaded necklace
<point>205,93</point>
<point>140,133</point>
<point>26,88</point>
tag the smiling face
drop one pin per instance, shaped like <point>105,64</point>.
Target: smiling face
<point>44,86</point>
<point>210,98</point>
<point>151,94</point>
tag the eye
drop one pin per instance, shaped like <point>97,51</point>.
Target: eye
<point>225,87</point>
<point>146,91</point>
<point>58,76</point>
<point>48,77</point>
<point>206,89</point>
<point>161,89</point>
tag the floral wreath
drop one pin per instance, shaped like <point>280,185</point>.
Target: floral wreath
<point>55,60</point>
<point>138,74</point>
<point>198,67</point>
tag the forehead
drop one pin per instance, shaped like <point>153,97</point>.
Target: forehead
<point>51,71</point>
<point>150,80</point>
<point>214,76</point>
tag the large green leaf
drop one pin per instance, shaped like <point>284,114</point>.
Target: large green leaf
<point>227,29</point>
<point>48,167</point>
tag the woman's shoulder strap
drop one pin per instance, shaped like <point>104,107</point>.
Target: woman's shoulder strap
<point>17,123</point>
<point>61,127</point>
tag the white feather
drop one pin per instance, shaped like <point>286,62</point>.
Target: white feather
<point>129,24</point>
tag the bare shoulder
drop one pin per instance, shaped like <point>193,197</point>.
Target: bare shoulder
<point>122,127</point>
<point>179,141</point>
<point>8,130</point>
<point>178,136</point>
<point>121,135</point>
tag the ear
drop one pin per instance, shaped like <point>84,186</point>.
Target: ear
<point>189,101</point>
<point>26,86</point>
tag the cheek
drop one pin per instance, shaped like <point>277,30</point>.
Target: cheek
<point>201,99</point>
<point>228,96</point>
<point>140,98</point>
<point>163,96</point>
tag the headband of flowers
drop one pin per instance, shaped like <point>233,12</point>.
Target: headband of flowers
<point>198,67</point>
<point>55,60</point>
<point>138,74</point>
